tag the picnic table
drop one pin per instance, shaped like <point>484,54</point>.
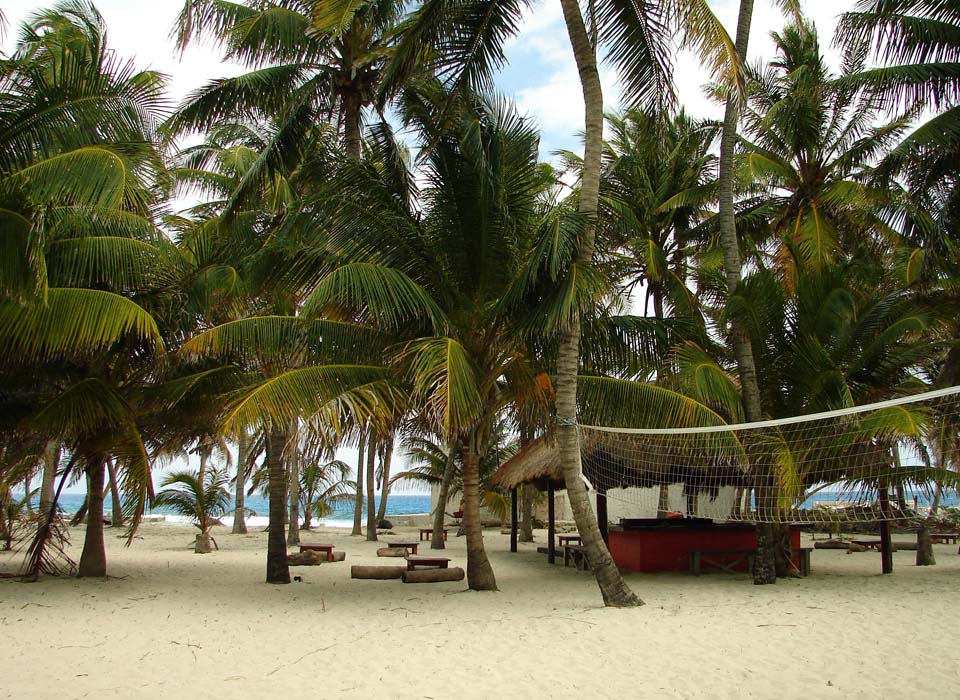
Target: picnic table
<point>427,532</point>
<point>326,548</point>
<point>414,561</point>
<point>405,544</point>
<point>944,537</point>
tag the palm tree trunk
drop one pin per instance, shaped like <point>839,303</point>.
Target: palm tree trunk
<point>26,491</point>
<point>439,514</point>
<point>764,570</point>
<point>51,458</point>
<point>480,575</point>
<point>239,507</point>
<point>358,500</point>
<point>277,569</point>
<point>612,587</point>
<point>371,487</point>
<point>93,559</point>
<point>351,125</point>
<point>526,512</point>
<point>293,478</point>
<point>116,507</point>
<point>385,483</point>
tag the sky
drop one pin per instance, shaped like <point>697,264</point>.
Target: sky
<point>540,75</point>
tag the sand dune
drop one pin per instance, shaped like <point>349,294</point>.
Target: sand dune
<point>173,624</point>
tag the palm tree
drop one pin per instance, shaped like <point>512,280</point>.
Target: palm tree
<point>201,497</point>
<point>918,40</point>
<point>810,140</point>
<point>78,178</point>
<point>468,46</point>
<point>321,485</point>
<point>446,274</point>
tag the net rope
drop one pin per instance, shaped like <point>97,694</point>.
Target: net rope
<point>881,461</point>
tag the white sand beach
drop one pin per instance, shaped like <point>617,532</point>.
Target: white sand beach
<point>169,623</point>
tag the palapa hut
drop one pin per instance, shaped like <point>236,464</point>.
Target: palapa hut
<point>624,461</point>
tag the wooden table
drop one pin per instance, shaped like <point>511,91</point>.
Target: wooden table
<point>326,548</point>
<point>944,537</point>
<point>427,532</point>
<point>435,562</point>
<point>411,545</point>
<point>568,539</point>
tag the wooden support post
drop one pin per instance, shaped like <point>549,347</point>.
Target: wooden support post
<point>513,519</point>
<point>886,548</point>
<point>602,515</point>
<point>551,524</point>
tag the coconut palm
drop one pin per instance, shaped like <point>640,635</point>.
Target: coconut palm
<point>811,141</point>
<point>918,40</point>
<point>78,181</point>
<point>322,485</point>
<point>204,498</point>
<point>467,46</point>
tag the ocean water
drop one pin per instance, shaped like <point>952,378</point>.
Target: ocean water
<point>397,504</point>
<point>923,498</point>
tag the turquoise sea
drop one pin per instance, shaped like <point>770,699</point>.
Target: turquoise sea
<point>397,504</point>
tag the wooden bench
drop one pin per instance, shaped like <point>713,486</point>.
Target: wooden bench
<point>720,559</point>
<point>326,548</point>
<point>578,555</point>
<point>569,539</point>
<point>437,562</point>
<point>944,537</point>
<point>411,545</point>
<point>427,532</point>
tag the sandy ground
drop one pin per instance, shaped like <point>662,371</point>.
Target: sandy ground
<point>173,624</point>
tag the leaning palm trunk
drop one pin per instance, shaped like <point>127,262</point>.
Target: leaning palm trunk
<point>358,499</point>
<point>51,458</point>
<point>239,515</point>
<point>385,482</point>
<point>116,506</point>
<point>371,488</point>
<point>480,575</point>
<point>93,560</point>
<point>764,569</point>
<point>439,514</point>
<point>277,569</point>
<point>612,587</point>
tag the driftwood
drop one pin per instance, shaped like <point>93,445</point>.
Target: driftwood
<point>831,544</point>
<point>307,558</point>
<point>338,556</point>
<point>392,552</point>
<point>433,575</point>
<point>377,572</point>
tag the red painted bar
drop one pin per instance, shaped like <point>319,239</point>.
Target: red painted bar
<point>667,546</point>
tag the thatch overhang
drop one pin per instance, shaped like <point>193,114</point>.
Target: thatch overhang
<point>538,463</point>
<point>623,460</point>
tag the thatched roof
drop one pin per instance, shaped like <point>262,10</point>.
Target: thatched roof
<point>619,460</point>
<point>536,463</point>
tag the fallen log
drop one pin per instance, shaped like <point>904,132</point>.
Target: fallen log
<point>831,544</point>
<point>377,572</point>
<point>306,558</point>
<point>392,552</point>
<point>338,556</point>
<point>433,575</point>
